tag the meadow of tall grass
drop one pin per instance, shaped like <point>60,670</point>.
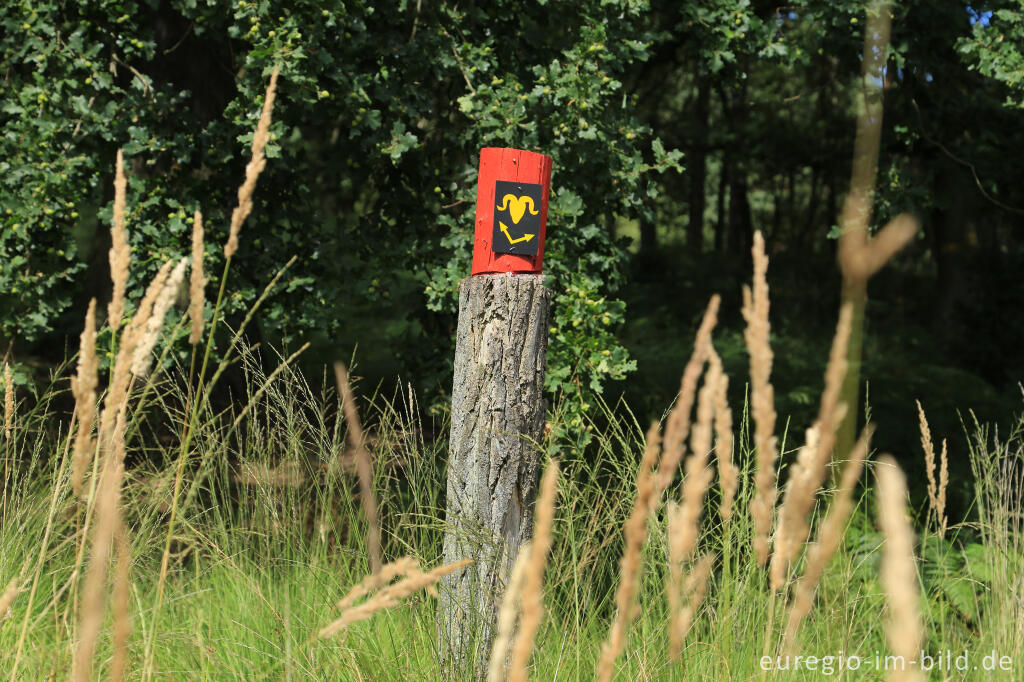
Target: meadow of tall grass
<point>160,535</point>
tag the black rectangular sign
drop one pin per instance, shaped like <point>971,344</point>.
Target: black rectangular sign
<point>516,217</point>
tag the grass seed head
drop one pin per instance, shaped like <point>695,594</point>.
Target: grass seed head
<point>898,573</point>
<point>253,169</point>
<point>120,251</point>
<point>197,282</point>
<point>83,387</point>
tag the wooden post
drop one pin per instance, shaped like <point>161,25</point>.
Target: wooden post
<point>498,411</point>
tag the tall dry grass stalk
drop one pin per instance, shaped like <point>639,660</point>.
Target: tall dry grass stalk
<point>253,169</point>
<point>8,403</point>
<point>677,589</point>
<point>653,478</point>
<point>197,281</point>
<point>684,518</point>
<point>830,536</point>
<point>903,629</point>
<point>507,616</point>
<point>390,595</point>
<point>695,589</point>
<point>137,340</point>
<point>83,387</point>
<point>635,531</point>
<point>399,568</point>
<point>531,600</point>
<point>120,251</point>
<point>150,334</point>
<point>757,334</point>
<point>196,294</point>
<point>8,428</point>
<point>121,375</point>
<point>8,597</point>
<point>808,473</point>
<point>673,577</point>
<point>93,593</point>
<point>728,472</point>
<point>936,490</point>
<point>698,475</point>
<point>364,466</point>
<point>677,424</point>
<point>121,602</point>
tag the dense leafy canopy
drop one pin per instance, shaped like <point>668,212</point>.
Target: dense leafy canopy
<point>372,171</point>
<point>384,106</point>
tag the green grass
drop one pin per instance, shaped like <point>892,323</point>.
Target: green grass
<point>256,568</point>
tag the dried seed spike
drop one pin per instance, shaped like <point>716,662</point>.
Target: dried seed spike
<point>8,597</point>
<point>507,616</point>
<point>936,490</point>
<point>83,387</point>
<point>904,630</point>
<point>830,535</point>
<point>155,320</point>
<point>698,474</point>
<point>8,402</point>
<point>121,605</point>
<point>390,596</point>
<point>364,466</point>
<point>400,567</point>
<point>531,599</point>
<point>678,421</point>
<point>808,474</point>
<point>728,472</point>
<point>635,531</point>
<point>943,484</point>
<point>674,577</point>
<point>757,334</point>
<point>253,169</point>
<point>697,588</point>
<point>197,281</point>
<point>120,250</point>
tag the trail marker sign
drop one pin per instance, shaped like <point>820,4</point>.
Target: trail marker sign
<point>513,187</point>
<point>516,220</point>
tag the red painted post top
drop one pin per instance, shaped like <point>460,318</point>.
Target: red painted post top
<point>512,193</point>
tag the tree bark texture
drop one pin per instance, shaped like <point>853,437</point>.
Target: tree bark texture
<point>497,422</point>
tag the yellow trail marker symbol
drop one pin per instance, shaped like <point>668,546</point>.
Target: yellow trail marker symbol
<point>517,206</point>
<point>504,228</point>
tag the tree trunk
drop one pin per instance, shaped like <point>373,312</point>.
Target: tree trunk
<point>720,203</point>
<point>648,236</point>
<point>696,164</point>
<point>497,419</point>
<point>741,224</point>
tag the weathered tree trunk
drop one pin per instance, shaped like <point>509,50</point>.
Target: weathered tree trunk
<point>497,421</point>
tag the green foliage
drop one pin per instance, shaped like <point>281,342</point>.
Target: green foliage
<point>371,178</point>
<point>996,46</point>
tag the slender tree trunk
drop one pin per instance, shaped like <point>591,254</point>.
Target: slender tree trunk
<point>853,244</point>
<point>949,245</point>
<point>741,226</point>
<point>813,200</point>
<point>648,235</point>
<point>720,203</point>
<point>776,210</point>
<point>498,417</point>
<point>697,166</point>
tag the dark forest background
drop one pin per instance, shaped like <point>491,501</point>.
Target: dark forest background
<point>677,129</point>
